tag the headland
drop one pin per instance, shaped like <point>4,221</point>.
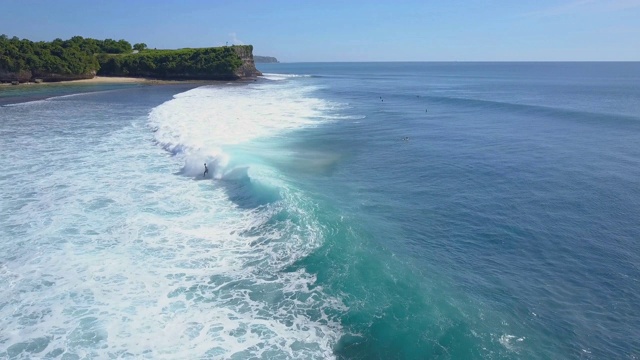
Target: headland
<point>80,59</point>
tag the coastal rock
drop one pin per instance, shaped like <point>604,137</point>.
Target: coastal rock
<point>248,67</point>
<point>10,76</point>
<point>29,76</point>
<point>50,77</point>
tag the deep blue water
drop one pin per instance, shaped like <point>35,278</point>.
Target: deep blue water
<point>505,227</point>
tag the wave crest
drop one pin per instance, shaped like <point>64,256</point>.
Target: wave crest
<point>206,124</point>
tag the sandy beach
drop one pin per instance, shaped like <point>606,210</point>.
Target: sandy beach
<point>127,80</point>
<point>108,80</point>
<point>29,91</point>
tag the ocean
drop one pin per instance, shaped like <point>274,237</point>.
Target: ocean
<point>350,211</point>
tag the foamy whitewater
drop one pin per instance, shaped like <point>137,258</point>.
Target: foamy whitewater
<point>121,257</point>
<point>350,211</point>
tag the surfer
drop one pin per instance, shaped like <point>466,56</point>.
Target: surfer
<point>206,170</point>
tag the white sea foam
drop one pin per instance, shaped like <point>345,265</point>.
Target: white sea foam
<point>27,103</point>
<point>53,98</point>
<point>202,122</point>
<point>113,255</point>
<point>509,341</point>
<point>87,93</point>
<point>279,77</point>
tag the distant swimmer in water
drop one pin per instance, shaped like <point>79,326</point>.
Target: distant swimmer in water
<point>206,170</point>
<point>406,138</point>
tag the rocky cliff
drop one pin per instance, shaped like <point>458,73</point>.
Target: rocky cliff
<point>248,67</point>
<point>215,63</point>
<point>27,76</point>
<point>224,63</point>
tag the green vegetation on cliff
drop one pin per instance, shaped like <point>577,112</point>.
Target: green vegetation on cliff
<point>24,60</point>
<point>63,57</point>
<point>203,63</point>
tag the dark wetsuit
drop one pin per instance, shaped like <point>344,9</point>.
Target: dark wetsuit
<point>206,170</point>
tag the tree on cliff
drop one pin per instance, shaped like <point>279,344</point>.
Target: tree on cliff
<point>139,46</point>
<point>111,46</point>
<point>70,57</point>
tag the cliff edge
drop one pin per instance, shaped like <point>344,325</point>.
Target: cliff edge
<point>248,67</point>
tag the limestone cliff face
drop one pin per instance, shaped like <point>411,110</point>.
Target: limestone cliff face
<point>28,75</point>
<point>49,77</point>
<point>248,67</point>
<point>9,76</point>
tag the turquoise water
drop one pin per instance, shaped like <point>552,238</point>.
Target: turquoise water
<point>504,227</point>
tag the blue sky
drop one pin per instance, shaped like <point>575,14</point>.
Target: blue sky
<point>292,31</point>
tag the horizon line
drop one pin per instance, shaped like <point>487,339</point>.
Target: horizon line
<point>452,61</point>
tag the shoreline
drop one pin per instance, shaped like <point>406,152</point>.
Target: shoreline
<point>31,91</point>
<point>110,80</point>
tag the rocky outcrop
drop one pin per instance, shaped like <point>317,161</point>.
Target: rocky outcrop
<point>265,59</point>
<point>9,76</point>
<point>248,67</point>
<point>49,77</point>
<point>29,76</point>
